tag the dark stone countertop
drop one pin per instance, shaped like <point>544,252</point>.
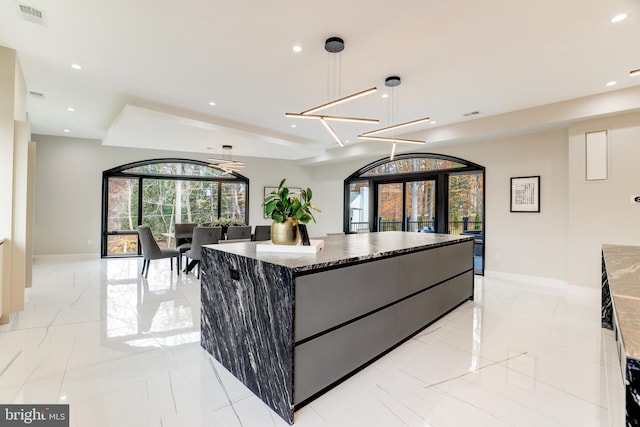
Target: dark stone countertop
<point>346,249</point>
<point>623,273</point>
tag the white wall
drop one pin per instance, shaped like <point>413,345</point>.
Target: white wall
<point>561,242</point>
<point>69,173</point>
<point>7,117</point>
<point>600,212</point>
<point>69,189</point>
<point>14,138</point>
<point>532,244</point>
<point>7,82</point>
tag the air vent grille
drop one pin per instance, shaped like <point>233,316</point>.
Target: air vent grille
<point>37,94</point>
<point>471,113</point>
<point>32,14</point>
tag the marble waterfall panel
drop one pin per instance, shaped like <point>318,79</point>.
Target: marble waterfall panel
<point>247,324</point>
<point>633,392</point>
<point>607,309</point>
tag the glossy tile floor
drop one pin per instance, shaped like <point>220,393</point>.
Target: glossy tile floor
<point>124,351</point>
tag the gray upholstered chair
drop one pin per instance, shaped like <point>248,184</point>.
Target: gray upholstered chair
<point>261,233</point>
<point>202,236</point>
<point>183,233</point>
<point>239,232</point>
<point>151,250</point>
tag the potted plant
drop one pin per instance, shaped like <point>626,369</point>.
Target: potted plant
<point>223,222</point>
<point>287,211</point>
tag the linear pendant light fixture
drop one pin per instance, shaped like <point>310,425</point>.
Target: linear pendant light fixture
<point>634,73</point>
<point>391,139</point>
<point>341,100</point>
<point>226,163</point>
<point>335,45</point>
<point>393,82</point>
<point>334,118</point>
<point>395,127</point>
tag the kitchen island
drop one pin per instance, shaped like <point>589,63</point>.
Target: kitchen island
<point>621,313</point>
<point>290,326</point>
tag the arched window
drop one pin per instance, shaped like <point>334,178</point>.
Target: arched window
<point>418,192</point>
<point>163,192</point>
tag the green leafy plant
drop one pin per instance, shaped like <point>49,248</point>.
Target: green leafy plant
<point>281,204</point>
<point>223,220</point>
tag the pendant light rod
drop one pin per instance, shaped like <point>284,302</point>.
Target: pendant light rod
<point>332,132</point>
<point>334,46</point>
<point>340,101</point>
<point>393,82</point>
<point>391,139</point>
<point>398,126</point>
<point>333,118</point>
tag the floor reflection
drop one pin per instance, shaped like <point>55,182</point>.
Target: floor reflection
<point>151,312</point>
<point>123,351</point>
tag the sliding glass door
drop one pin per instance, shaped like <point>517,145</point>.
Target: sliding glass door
<point>466,211</point>
<point>406,206</point>
<point>418,192</point>
<point>390,211</point>
<point>420,205</point>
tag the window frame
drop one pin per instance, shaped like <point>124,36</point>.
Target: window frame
<point>121,172</point>
<point>440,176</point>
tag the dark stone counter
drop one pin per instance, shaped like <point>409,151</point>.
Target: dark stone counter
<point>621,312</point>
<point>348,249</point>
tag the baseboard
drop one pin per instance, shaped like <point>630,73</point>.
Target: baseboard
<point>574,294</point>
<point>64,257</point>
<point>523,278</point>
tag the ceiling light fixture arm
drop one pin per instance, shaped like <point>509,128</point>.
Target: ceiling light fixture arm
<point>333,118</point>
<point>340,101</point>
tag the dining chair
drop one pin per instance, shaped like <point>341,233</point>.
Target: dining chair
<point>183,233</point>
<point>202,236</point>
<point>151,250</point>
<point>261,233</point>
<point>239,232</point>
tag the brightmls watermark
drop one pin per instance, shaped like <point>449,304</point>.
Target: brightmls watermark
<point>34,415</point>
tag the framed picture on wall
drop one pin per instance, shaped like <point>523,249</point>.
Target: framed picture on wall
<point>292,190</point>
<point>525,194</point>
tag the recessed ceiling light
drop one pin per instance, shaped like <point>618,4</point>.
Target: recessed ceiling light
<point>619,17</point>
<point>76,67</point>
<point>612,83</point>
<point>385,95</point>
<point>297,48</point>
<point>293,126</point>
<point>71,109</point>
<point>66,131</point>
<point>213,104</point>
<point>433,122</point>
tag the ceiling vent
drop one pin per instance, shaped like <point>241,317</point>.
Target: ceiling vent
<point>472,113</point>
<point>31,14</point>
<point>37,94</point>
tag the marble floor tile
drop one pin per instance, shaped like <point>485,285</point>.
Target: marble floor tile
<point>124,351</point>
